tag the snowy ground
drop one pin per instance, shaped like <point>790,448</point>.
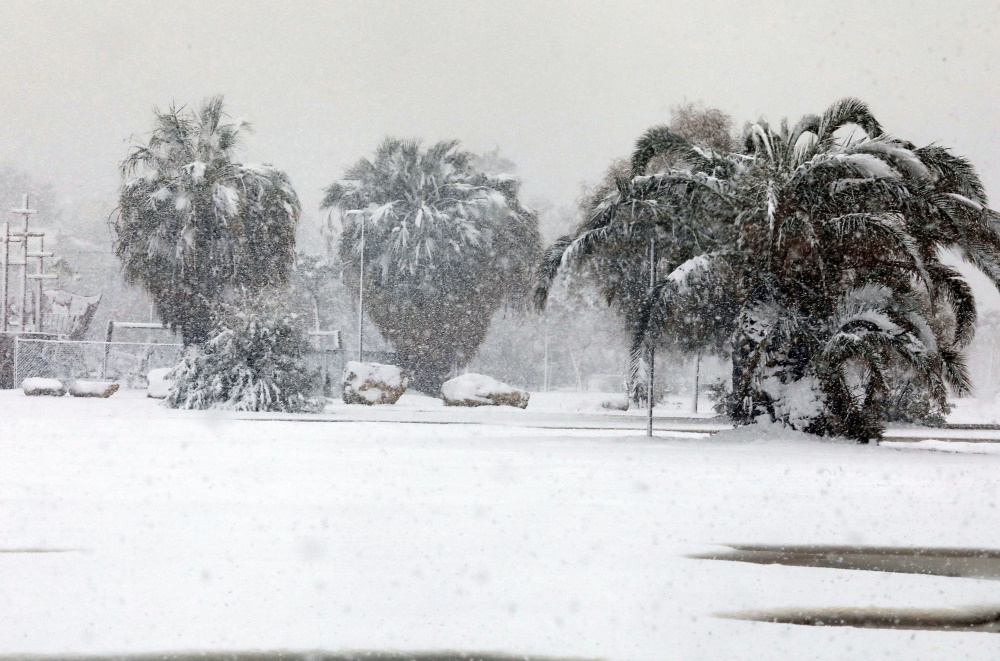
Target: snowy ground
<point>174,530</point>
<point>971,410</point>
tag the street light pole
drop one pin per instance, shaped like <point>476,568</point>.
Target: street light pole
<point>361,295</point>
<point>652,348</point>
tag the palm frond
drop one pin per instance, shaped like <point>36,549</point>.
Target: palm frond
<point>808,124</point>
<point>956,372</point>
<point>848,111</point>
<point>549,269</point>
<point>661,141</point>
<point>951,285</point>
<point>954,173</point>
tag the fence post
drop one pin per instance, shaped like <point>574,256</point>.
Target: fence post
<point>107,349</point>
<point>16,351</point>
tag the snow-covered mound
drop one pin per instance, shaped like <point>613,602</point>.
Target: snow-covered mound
<point>159,384</point>
<point>103,389</point>
<point>481,390</point>
<point>37,386</point>
<point>373,383</point>
<point>765,430</point>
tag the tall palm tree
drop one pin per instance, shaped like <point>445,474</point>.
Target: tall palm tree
<point>193,224</point>
<point>821,249</point>
<point>446,245</point>
<point>621,268</point>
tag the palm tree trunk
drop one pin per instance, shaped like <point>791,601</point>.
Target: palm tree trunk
<point>697,371</point>
<point>742,406</point>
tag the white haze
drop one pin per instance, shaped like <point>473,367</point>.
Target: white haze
<point>559,87</point>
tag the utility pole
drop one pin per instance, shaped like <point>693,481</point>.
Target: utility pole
<point>40,275</point>
<point>652,348</point>
<point>26,213</point>
<point>22,238</point>
<point>6,276</point>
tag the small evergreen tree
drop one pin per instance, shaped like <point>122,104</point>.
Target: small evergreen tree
<point>252,361</point>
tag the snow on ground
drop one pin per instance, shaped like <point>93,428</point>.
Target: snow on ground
<point>974,447</point>
<point>673,406</point>
<point>181,530</point>
<point>972,410</point>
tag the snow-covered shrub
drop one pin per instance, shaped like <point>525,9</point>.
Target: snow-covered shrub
<point>906,401</point>
<point>720,395</point>
<point>616,403</point>
<point>252,361</point>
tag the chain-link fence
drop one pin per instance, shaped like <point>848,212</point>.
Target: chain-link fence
<point>127,363</point>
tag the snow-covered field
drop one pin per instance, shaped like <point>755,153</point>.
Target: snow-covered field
<point>174,530</point>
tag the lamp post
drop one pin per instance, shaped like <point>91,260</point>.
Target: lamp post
<point>361,295</point>
<point>652,347</point>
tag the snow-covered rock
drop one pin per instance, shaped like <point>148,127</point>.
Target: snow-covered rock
<point>37,386</point>
<point>481,390</point>
<point>373,383</point>
<point>159,384</point>
<point>103,389</point>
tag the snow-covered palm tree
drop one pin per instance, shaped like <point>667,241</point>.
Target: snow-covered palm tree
<point>821,247</point>
<point>193,222</point>
<point>446,245</point>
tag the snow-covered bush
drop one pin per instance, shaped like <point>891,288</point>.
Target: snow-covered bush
<point>720,395</point>
<point>616,404</point>
<point>252,361</point>
<point>905,401</point>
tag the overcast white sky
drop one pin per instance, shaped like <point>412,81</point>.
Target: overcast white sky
<point>560,87</point>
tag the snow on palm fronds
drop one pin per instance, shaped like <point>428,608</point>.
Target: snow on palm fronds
<point>193,220</point>
<point>446,244</point>
<point>252,361</point>
<point>820,247</point>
